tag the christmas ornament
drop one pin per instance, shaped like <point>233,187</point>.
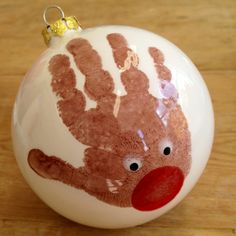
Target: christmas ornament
<point>112,126</point>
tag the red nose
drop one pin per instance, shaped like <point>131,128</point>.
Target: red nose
<point>157,188</point>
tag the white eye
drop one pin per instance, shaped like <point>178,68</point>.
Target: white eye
<point>132,163</point>
<point>166,147</point>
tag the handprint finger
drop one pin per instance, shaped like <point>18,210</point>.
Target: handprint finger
<point>72,101</point>
<point>126,59</point>
<point>167,88</point>
<point>158,58</point>
<point>51,167</point>
<point>99,82</point>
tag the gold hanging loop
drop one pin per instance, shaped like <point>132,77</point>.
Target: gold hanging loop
<point>59,27</point>
<point>52,7</point>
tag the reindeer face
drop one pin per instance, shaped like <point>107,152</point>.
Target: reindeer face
<point>149,161</point>
<point>138,145</point>
<point>157,167</point>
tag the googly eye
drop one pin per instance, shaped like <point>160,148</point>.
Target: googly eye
<point>167,151</point>
<point>132,163</point>
<point>165,147</point>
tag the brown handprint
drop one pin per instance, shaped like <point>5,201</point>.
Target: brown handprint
<point>139,146</point>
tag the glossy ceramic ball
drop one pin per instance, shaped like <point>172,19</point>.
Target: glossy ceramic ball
<point>112,126</point>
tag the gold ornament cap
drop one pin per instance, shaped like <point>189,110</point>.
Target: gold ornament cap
<point>59,27</point>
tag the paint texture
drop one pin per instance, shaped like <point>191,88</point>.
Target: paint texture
<point>125,163</point>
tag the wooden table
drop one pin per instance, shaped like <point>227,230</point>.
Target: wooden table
<point>206,31</point>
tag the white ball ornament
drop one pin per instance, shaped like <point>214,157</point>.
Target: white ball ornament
<point>113,125</point>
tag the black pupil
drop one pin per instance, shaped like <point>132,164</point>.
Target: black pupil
<point>166,151</point>
<point>133,166</point>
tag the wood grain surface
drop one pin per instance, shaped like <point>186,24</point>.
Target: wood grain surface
<point>206,31</point>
